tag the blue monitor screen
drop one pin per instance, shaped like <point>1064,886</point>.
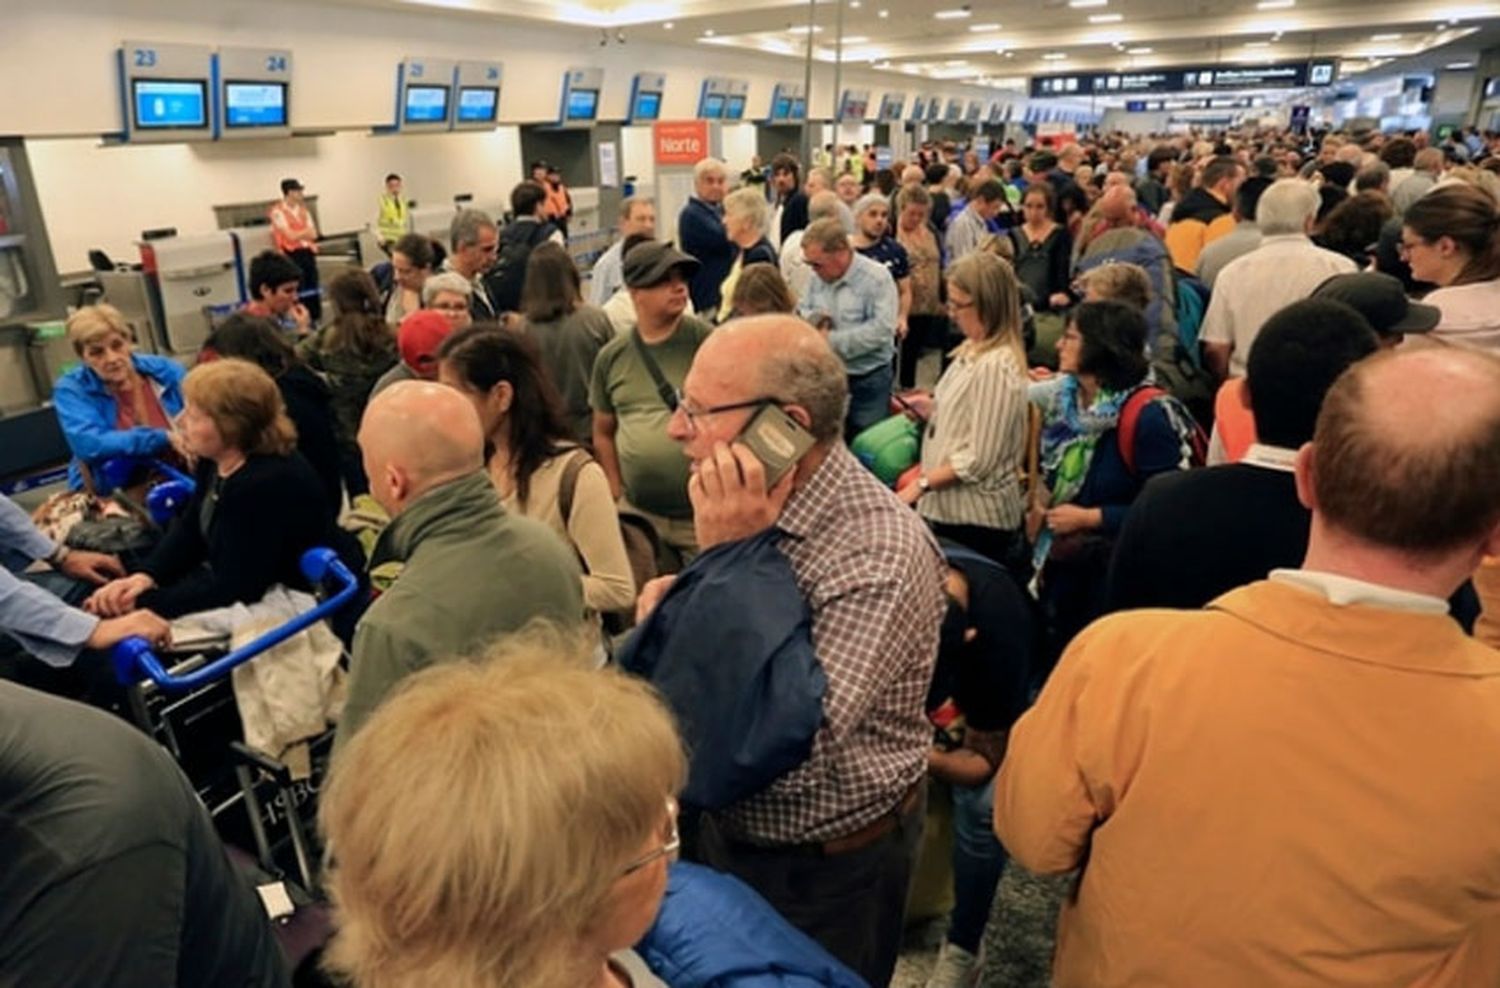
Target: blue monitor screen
<point>426,104</point>
<point>582,104</point>
<point>713,106</point>
<point>736,108</point>
<point>477,104</point>
<point>799,108</point>
<point>647,106</point>
<point>170,104</point>
<point>255,104</point>
<point>782,109</point>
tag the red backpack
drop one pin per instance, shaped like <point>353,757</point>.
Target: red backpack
<point>1187,427</point>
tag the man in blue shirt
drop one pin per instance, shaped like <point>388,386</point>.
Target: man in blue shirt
<point>637,216</point>
<point>700,229</point>
<point>854,300</point>
<point>40,622</point>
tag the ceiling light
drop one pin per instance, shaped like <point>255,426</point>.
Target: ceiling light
<point>1106,18</point>
<point>708,32</point>
<point>1385,37</point>
<point>1257,44</point>
<point>981,28</point>
<point>855,4</point>
<point>669,25</point>
<point>803,29</point>
<point>1010,54</point>
<point>1275,4</point>
<point>1053,56</point>
<point>1088,3</point>
<point>884,14</point>
<point>1458,66</point>
<point>953,63</point>
<point>855,39</point>
<point>1138,51</point>
<point>957,14</point>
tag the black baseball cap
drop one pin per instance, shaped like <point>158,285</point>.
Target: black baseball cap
<point>1382,300</point>
<point>650,263</point>
<point>289,185</point>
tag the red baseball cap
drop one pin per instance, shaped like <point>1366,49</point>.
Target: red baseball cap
<point>419,337</point>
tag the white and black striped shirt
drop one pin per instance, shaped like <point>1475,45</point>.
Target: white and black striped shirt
<point>978,427</point>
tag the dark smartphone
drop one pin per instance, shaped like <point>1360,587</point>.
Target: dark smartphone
<point>777,440</point>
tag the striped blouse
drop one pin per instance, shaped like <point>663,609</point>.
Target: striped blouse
<point>978,427</point>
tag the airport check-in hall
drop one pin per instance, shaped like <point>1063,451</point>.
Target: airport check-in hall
<point>801,493</point>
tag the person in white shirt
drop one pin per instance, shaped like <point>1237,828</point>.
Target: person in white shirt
<point>637,215</point>
<point>1285,268</point>
<point>1451,238</point>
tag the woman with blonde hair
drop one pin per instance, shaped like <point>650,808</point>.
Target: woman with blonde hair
<point>746,218</point>
<point>257,508</point>
<point>116,403</point>
<point>508,823</point>
<point>969,488</point>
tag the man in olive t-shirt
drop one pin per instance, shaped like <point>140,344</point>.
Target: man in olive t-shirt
<point>632,408</point>
<point>110,870</point>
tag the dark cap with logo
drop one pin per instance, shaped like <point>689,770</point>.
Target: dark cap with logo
<point>1382,300</point>
<point>651,263</point>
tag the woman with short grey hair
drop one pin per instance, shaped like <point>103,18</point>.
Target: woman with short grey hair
<point>746,216</point>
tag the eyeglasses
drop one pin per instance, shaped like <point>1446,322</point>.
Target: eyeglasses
<point>694,415</point>
<point>670,847</point>
<point>1405,247</point>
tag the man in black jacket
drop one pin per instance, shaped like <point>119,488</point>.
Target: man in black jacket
<point>790,210</point>
<point>1194,535</point>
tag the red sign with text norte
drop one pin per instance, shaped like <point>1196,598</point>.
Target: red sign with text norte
<point>680,142</point>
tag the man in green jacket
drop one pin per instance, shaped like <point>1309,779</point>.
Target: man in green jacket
<point>472,571</point>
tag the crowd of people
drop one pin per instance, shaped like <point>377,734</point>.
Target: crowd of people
<point>1186,585</point>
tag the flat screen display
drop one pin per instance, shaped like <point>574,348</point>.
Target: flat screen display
<point>782,109</point>
<point>713,106</point>
<point>799,108</point>
<point>735,108</point>
<point>170,104</point>
<point>426,104</point>
<point>478,104</point>
<point>255,104</point>
<point>582,104</point>
<point>647,106</point>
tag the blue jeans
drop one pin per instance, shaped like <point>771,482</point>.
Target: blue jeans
<point>978,860</point>
<point>869,399</point>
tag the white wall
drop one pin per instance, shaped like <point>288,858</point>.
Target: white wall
<point>59,77</point>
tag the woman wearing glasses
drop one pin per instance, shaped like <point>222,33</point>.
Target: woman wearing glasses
<point>969,488</point>
<point>1451,238</point>
<point>510,823</point>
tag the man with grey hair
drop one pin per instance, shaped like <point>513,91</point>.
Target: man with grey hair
<point>855,302</point>
<point>1285,268</point>
<point>700,230</point>
<point>821,206</point>
<point>637,215</point>
<point>1374,177</point>
<point>832,844</point>
<point>474,240</point>
<point>1427,168</point>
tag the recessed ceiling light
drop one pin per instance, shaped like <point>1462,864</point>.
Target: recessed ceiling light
<point>1458,66</point>
<point>1138,51</point>
<point>1010,54</point>
<point>1088,3</point>
<point>855,4</point>
<point>1275,4</point>
<point>884,14</point>
<point>954,63</point>
<point>1106,18</point>
<point>1053,56</point>
<point>803,29</point>
<point>957,14</point>
<point>1385,37</point>
<point>981,28</point>
<point>855,39</point>
<point>669,25</point>
<point>708,32</point>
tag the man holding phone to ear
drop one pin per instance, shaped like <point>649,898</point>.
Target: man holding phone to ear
<point>831,844</point>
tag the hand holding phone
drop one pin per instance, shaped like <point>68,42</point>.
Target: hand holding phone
<point>740,489</point>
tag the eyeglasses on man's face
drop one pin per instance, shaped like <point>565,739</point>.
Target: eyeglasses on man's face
<point>671,844</point>
<point>696,414</point>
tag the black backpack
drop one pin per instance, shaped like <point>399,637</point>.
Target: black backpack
<point>503,281</point>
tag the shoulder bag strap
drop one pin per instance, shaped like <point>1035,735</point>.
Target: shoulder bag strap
<point>667,392</point>
<point>568,486</point>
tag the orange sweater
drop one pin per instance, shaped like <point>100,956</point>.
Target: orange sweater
<point>1276,791</point>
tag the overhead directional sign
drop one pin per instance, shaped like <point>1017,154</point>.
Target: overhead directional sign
<point>1188,79</point>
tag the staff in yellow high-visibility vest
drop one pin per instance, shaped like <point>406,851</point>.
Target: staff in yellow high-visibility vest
<point>394,219</point>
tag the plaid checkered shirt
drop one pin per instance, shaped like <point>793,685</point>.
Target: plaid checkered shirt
<point>873,578</point>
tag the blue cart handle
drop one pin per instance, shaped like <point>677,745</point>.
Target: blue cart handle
<point>133,658</point>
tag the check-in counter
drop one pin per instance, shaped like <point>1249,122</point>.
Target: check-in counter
<point>190,276</point>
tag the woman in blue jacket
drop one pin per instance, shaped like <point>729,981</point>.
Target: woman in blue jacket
<point>117,403</point>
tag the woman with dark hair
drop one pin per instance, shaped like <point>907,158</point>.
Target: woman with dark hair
<point>308,401</point>
<point>534,460</point>
<point>1044,250</point>
<point>760,291</point>
<point>413,260</point>
<point>569,334</point>
<point>351,354</point>
<point>1098,449</point>
<point>1352,228</point>
<point>1451,237</point>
